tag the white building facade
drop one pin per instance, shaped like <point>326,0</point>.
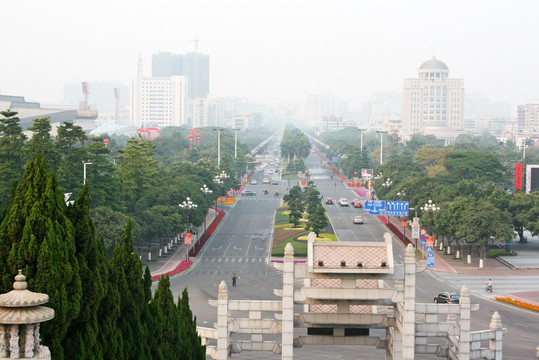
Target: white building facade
<point>433,104</point>
<point>159,102</point>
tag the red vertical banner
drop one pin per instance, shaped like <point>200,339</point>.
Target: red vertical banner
<point>518,178</point>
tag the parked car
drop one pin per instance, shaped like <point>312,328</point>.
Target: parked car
<point>357,203</point>
<point>248,193</point>
<point>447,297</point>
<point>358,220</point>
<point>329,201</point>
<point>254,182</point>
<point>344,202</point>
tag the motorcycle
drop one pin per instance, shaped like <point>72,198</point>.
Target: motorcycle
<point>488,288</point>
<point>277,194</point>
<point>265,192</point>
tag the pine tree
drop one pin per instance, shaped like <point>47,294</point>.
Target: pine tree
<point>92,261</point>
<point>128,268</point>
<point>36,236</point>
<point>12,154</point>
<point>151,319</point>
<point>192,343</point>
<point>171,341</point>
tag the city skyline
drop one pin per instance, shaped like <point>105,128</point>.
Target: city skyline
<point>278,51</point>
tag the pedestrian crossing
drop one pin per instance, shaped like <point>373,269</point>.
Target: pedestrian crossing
<point>502,284</point>
<point>235,259</point>
<point>255,198</point>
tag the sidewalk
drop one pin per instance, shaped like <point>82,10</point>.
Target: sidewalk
<point>176,261</point>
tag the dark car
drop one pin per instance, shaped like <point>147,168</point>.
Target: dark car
<point>248,193</point>
<point>329,200</point>
<point>447,297</point>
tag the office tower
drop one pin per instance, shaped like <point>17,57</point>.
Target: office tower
<point>158,101</point>
<point>432,103</point>
<point>527,117</point>
<point>194,66</point>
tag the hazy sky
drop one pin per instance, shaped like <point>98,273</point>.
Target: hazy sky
<point>278,50</point>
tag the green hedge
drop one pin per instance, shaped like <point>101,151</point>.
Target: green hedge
<point>495,253</point>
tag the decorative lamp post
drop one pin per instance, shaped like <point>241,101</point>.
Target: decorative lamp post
<point>198,138</point>
<point>190,141</point>
<point>223,176</point>
<point>187,205</point>
<point>430,207</point>
<point>206,191</point>
<point>217,180</point>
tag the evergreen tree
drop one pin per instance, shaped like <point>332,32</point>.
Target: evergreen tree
<point>42,142</point>
<point>318,220</point>
<point>36,236</point>
<point>12,154</point>
<point>192,343</point>
<point>128,268</point>
<point>109,341</point>
<point>171,343</point>
<point>296,211</point>
<point>92,261</point>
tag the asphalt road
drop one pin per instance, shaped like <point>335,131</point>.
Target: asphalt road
<point>241,245</point>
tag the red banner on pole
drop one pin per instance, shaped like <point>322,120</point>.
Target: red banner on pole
<point>518,178</point>
<point>187,239</point>
<point>430,240</point>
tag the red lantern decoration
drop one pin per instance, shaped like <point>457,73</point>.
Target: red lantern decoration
<point>195,130</point>
<point>106,142</point>
<point>198,137</point>
<point>191,141</point>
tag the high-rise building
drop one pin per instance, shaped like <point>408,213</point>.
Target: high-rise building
<point>317,107</point>
<point>433,104</point>
<point>158,101</point>
<point>194,66</point>
<point>528,117</point>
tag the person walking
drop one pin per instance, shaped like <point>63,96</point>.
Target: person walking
<point>234,280</point>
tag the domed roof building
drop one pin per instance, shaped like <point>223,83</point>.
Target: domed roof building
<point>433,104</point>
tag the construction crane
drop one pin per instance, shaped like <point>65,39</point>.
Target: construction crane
<point>117,96</point>
<point>84,111</point>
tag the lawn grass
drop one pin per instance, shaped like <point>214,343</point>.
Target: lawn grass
<point>300,248</point>
<point>281,216</point>
<point>321,237</point>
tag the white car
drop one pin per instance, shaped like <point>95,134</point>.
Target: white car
<point>344,202</point>
<point>254,182</point>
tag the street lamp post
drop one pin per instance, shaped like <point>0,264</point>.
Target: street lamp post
<point>361,132</point>
<point>387,185</point>
<point>381,132</point>
<point>187,205</point>
<point>218,145</point>
<point>206,191</point>
<point>401,194</point>
<point>430,207</point>
<point>84,163</point>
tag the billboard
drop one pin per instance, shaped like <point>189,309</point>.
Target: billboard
<point>532,177</point>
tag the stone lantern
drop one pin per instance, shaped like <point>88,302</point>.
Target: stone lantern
<point>20,315</point>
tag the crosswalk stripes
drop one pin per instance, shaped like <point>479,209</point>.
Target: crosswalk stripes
<point>245,259</point>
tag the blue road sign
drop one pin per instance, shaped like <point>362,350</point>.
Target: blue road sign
<point>430,262</point>
<point>397,208</point>
<point>423,242</point>
<point>423,237</point>
<point>429,249</point>
<point>335,159</point>
<point>374,207</point>
<point>430,255</point>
